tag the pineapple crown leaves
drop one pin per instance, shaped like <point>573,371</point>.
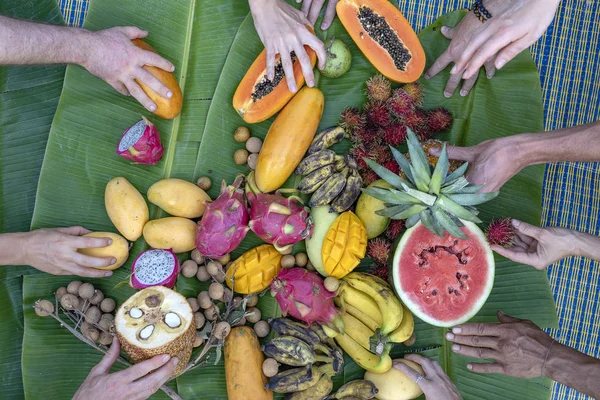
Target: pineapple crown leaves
<point>438,198</point>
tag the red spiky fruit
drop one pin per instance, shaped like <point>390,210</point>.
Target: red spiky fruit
<point>501,232</point>
<point>378,114</point>
<point>366,135</point>
<point>415,92</point>
<point>395,228</point>
<point>351,119</point>
<point>359,153</point>
<point>394,134</point>
<point>416,120</point>
<point>439,120</point>
<point>380,270</point>
<point>379,89</point>
<point>368,176</point>
<point>379,249</point>
<point>381,154</point>
<point>393,166</point>
<point>400,104</point>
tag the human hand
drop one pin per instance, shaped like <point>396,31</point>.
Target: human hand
<point>312,9</point>
<point>517,347</point>
<point>283,30</point>
<point>435,384</point>
<point>539,247</point>
<point>55,251</point>
<point>115,59</point>
<point>139,381</point>
<point>491,163</point>
<point>514,26</point>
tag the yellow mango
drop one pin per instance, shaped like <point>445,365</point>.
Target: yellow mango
<point>366,208</point>
<point>176,233</point>
<point>178,197</point>
<point>394,384</point>
<point>254,270</point>
<point>344,246</point>
<point>119,249</point>
<point>126,208</point>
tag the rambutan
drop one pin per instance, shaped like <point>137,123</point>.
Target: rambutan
<point>439,120</point>
<point>367,135</point>
<point>393,166</point>
<point>379,88</point>
<point>395,228</point>
<point>379,249</point>
<point>400,104</point>
<point>380,270</point>
<point>501,232</point>
<point>415,91</point>
<point>378,114</point>
<point>381,154</point>
<point>394,134</point>
<point>416,120</point>
<point>368,176</point>
<point>359,153</point>
<point>351,119</point>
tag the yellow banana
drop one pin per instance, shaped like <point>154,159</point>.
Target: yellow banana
<point>405,329</point>
<point>382,293</point>
<point>362,301</point>
<point>363,357</point>
<point>357,330</point>
<point>356,313</point>
<point>330,332</point>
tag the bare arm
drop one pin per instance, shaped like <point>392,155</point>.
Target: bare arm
<point>574,369</point>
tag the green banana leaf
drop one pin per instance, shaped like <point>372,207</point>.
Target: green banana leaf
<point>11,337</point>
<point>80,160</point>
<point>28,100</point>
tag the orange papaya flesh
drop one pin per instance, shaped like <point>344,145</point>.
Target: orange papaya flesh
<point>165,108</point>
<point>385,37</point>
<point>257,98</point>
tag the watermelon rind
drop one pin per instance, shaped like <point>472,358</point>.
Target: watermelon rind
<point>474,233</point>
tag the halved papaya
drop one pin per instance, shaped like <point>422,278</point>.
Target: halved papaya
<point>385,37</point>
<point>257,98</point>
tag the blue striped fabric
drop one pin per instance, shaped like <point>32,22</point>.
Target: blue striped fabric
<point>567,57</point>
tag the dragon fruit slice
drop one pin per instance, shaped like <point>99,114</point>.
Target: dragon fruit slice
<point>224,223</point>
<point>301,294</point>
<point>141,143</point>
<point>277,220</point>
<point>154,267</point>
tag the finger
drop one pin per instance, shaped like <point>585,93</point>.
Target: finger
<point>521,257</point>
<point>408,371</point>
<point>504,318</point>
<point>442,62</point>
<point>527,241</point>
<point>108,360</point>
<point>448,32</point>
<point>288,69</point>
<point>137,92</point>
<point>479,329</point>
<point>143,368</point>
<point>467,53</point>
<point>153,59</point>
<point>151,383</point>
<point>317,45</point>
<point>119,87</point>
<point>304,61</point>
<point>477,352</point>
<point>451,85</point>
<point>305,6</point>
<point>85,242</point>
<point>473,341</point>
<point>460,153</point>
<point>487,50</point>
<point>468,85</point>
<point>93,262</point>
<point>527,229</point>
<point>270,63</point>
<point>329,14</point>
<point>315,10</point>
<point>133,32</point>
<point>424,362</point>
<point>487,368</point>
<point>490,69</point>
<point>75,269</point>
<point>74,230</point>
<point>511,51</point>
<point>150,80</point>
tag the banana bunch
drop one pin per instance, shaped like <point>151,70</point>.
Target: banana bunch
<point>332,179</point>
<point>312,356</point>
<point>359,389</point>
<point>374,319</point>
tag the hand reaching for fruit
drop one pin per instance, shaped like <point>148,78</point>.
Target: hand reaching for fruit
<point>312,9</point>
<point>284,30</point>
<point>139,381</point>
<point>513,27</point>
<point>435,384</point>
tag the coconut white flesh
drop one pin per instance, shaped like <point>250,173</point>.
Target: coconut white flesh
<point>173,305</point>
<point>133,135</point>
<point>154,267</point>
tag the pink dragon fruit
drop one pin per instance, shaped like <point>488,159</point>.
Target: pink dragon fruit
<point>141,144</point>
<point>277,220</point>
<point>224,223</point>
<point>154,267</point>
<point>301,294</point>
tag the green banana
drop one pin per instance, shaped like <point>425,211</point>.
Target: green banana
<point>349,195</point>
<point>326,138</point>
<point>292,351</point>
<point>297,379</point>
<point>340,163</point>
<point>329,190</point>
<point>315,161</point>
<point>287,327</point>
<point>361,389</point>
<point>315,179</point>
<point>332,347</point>
<point>317,392</point>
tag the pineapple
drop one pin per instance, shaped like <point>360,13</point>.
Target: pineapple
<point>438,198</point>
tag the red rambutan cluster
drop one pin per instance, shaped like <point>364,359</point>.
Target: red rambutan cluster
<point>352,119</point>
<point>379,249</point>
<point>380,270</point>
<point>400,104</point>
<point>395,228</point>
<point>415,91</point>
<point>392,165</point>
<point>394,134</point>
<point>377,114</point>
<point>379,89</point>
<point>439,120</point>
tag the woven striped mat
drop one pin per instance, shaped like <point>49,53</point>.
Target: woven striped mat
<point>567,57</point>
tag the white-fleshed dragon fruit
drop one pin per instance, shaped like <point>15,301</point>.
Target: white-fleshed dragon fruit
<point>225,221</point>
<point>278,220</point>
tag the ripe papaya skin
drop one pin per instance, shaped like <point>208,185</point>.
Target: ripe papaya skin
<point>165,108</point>
<point>257,111</point>
<point>289,137</point>
<point>377,55</point>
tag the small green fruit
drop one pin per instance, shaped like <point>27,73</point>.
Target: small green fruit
<point>338,61</point>
<point>366,208</point>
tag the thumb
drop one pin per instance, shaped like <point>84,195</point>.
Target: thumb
<point>527,229</point>
<point>133,32</point>
<point>408,371</point>
<point>447,32</point>
<point>506,318</point>
<point>109,358</point>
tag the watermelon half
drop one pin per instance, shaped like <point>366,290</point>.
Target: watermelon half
<point>443,281</point>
